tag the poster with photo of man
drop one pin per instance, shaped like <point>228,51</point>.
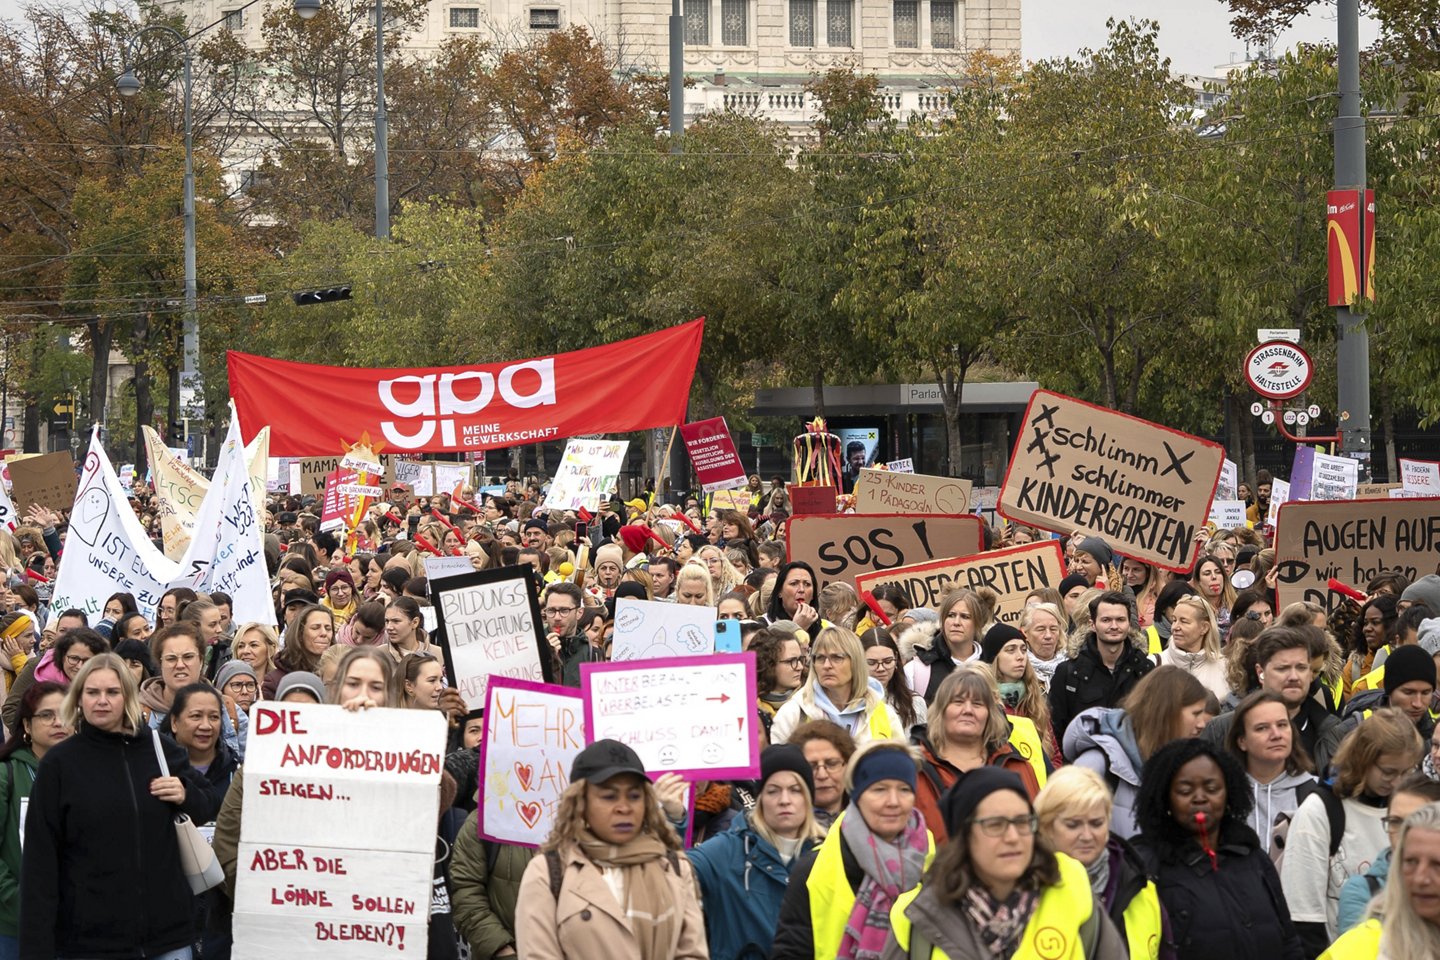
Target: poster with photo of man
<point>859,448</point>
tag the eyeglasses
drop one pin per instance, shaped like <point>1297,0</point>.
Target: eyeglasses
<point>829,766</point>
<point>76,662</point>
<point>1392,823</point>
<point>885,664</point>
<point>999,826</point>
<point>242,686</point>
<point>171,660</point>
<point>1254,615</point>
<point>559,611</point>
<point>794,663</point>
<point>821,659</point>
<point>46,716</point>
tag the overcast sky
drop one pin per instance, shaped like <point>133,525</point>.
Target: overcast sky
<point>1194,34</point>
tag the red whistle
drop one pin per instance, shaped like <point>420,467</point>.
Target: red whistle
<point>424,544</point>
<point>1344,589</point>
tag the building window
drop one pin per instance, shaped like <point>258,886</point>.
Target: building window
<point>802,23</point>
<point>697,23</point>
<point>234,19</point>
<point>465,18</point>
<point>734,25</point>
<point>545,19</point>
<point>942,23</point>
<point>907,23</point>
<point>837,22</point>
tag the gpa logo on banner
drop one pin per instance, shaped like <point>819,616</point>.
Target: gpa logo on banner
<point>436,399</point>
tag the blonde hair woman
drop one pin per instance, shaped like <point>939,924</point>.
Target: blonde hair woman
<point>258,645</point>
<point>839,689</point>
<point>744,871</point>
<point>1074,811</point>
<point>723,575</point>
<point>1044,626</point>
<point>1402,920</point>
<point>693,585</point>
<point>1195,645</point>
<point>614,863</point>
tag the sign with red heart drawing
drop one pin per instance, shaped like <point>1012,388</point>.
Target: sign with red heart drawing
<point>532,733</point>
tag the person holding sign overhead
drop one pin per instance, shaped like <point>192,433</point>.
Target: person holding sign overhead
<point>839,689</point>
<point>611,881</point>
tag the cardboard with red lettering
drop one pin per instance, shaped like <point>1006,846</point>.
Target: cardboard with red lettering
<point>489,625</point>
<point>1012,573</point>
<point>1144,488</point>
<point>694,716</point>
<point>533,732</point>
<point>885,491</point>
<point>1353,541</point>
<point>337,506</point>
<point>843,547</point>
<point>712,451</point>
<point>335,858</point>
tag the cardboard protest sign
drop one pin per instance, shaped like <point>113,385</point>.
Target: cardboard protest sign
<point>1369,491</point>
<point>649,630</point>
<point>589,470</point>
<point>1012,573</point>
<point>739,500</point>
<point>717,462</point>
<point>1421,476</point>
<point>448,476</point>
<point>843,547</point>
<point>106,550</point>
<point>333,860</point>
<point>47,480</point>
<point>901,466</point>
<point>489,625</point>
<point>808,501</point>
<point>1227,514</point>
<point>881,491</point>
<point>1353,541</point>
<point>420,477</point>
<point>1145,488</point>
<point>313,473</point>
<point>9,518</point>
<point>438,568</point>
<point>532,733</point>
<point>694,716</point>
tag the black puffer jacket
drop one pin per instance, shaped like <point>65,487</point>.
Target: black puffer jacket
<point>1237,912</point>
<point>1086,682</point>
<point>101,873</point>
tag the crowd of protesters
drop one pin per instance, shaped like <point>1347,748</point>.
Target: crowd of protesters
<point>1146,764</point>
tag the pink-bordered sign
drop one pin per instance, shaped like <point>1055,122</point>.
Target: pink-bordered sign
<point>693,716</point>
<point>525,759</point>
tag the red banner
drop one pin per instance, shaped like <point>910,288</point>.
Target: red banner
<point>635,384</point>
<point>717,462</point>
<point>1350,238</point>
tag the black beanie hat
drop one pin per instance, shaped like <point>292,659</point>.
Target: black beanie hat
<point>996,638</point>
<point>786,756</point>
<point>958,804</point>
<point>1408,663</point>
<point>1071,582</point>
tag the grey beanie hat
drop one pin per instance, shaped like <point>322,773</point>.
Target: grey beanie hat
<point>301,680</point>
<point>1428,636</point>
<point>233,669</point>
<point>1426,590</point>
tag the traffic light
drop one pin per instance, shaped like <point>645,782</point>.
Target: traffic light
<point>306,298</point>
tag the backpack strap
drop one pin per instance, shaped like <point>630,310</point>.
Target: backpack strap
<point>1090,931</point>
<point>1372,883</point>
<point>1334,811</point>
<point>932,773</point>
<point>920,946</point>
<point>674,860</point>
<point>557,872</point>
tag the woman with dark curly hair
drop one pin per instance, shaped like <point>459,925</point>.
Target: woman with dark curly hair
<point>1217,885</point>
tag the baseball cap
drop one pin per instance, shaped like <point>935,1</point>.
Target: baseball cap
<point>604,759</point>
